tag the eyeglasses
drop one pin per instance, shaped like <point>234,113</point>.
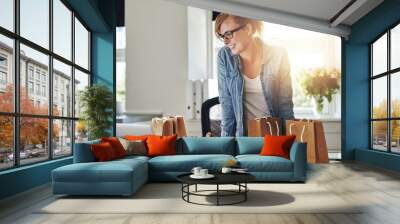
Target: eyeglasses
<point>229,34</point>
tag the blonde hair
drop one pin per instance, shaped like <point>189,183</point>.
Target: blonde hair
<point>257,26</point>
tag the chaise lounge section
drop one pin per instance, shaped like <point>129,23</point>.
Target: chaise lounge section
<point>125,176</point>
<point>88,177</point>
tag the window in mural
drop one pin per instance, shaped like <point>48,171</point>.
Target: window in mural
<point>385,97</point>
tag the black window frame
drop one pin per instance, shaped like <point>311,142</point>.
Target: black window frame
<point>16,115</point>
<point>388,74</point>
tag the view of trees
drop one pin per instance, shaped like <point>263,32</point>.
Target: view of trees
<point>33,132</point>
<point>380,127</point>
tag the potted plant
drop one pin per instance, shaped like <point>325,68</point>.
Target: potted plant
<point>320,84</point>
<point>96,102</point>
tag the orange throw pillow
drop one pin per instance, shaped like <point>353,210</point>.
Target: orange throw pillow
<point>161,145</point>
<point>136,137</point>
<point>103,152</point>
<point>277,145</point>
<point>116,145</point>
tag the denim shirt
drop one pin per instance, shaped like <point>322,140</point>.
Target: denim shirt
<point>276,86</point>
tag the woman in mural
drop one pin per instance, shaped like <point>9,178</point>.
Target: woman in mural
<point>253,77</point>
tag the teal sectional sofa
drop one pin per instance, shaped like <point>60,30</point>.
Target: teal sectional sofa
<point>125,176</point>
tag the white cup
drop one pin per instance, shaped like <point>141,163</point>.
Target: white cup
<point>226,170</point>
<point>196,171</point>
<point>203,172</point>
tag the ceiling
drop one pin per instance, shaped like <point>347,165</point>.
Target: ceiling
<point>326,16</point>
<point>318,9</point>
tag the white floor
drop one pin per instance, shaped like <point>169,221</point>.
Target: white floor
<point>377,189</point>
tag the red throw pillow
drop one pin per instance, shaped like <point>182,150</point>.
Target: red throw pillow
<point>136,137</point>
<point>116,145</point>
<point>161,145</point>
<point>277,145</point>
<point>103,152</point>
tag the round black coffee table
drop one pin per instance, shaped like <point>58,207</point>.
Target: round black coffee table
<point>238,179</point>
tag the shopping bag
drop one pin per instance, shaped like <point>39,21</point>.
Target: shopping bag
<point>162,126</point>
<point>259,127</point>
<point>179,125</point>
<point>312,133</point>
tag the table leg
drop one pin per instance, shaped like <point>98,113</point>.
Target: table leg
<point>196,188</point>
<point>245,193</point>
<point>188,190</point>
<point>217,194</point>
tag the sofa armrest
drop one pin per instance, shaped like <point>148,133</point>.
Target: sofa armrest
<point>83,152</point>
<point>298,155</point>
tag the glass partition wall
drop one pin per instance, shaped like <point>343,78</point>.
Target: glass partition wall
<point>44,64</point>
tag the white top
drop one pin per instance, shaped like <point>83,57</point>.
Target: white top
<point>255,105</point>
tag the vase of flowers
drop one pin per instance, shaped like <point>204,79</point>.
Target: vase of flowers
<point>320,84</point>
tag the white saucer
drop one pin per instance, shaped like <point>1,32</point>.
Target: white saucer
<point>208,176</point>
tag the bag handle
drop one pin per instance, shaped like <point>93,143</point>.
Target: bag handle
<point>157,120</point>
<point>302,131</point>
<point>270,127</point>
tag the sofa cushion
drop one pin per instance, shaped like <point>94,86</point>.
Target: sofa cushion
<point>116,145</point>
<point>136,137</point>
<point>249,145</point>
<point>135,147</point>
<point>257,163</point>
<point>131,158</point>
<point>208,145</point>
<point>161,145</point>
<point>277,145</point>
<point>103,152</point>
<point>112,171</point>
<point>185,163</point>
<point>142,138</point>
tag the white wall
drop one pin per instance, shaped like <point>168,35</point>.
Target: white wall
<point>156,57</point>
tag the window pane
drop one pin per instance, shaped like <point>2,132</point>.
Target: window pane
<point>62,89</point>
<point>6,74</point>
<point>34,72</point>
<point>395,47</point>
<point>7,14</point>
<point>395,94</point>
<point>395,132</point>
<point>379,135</point>
<point>62,29</point>
<point>35,21</point>
<point>379,97</point>
<point>81,45</point>
<point>33,139</point>
<point>81,131</point>
<point>81,81</point>
<point>6,142</point>
<point>62,138</point>
<point>379,55</point>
